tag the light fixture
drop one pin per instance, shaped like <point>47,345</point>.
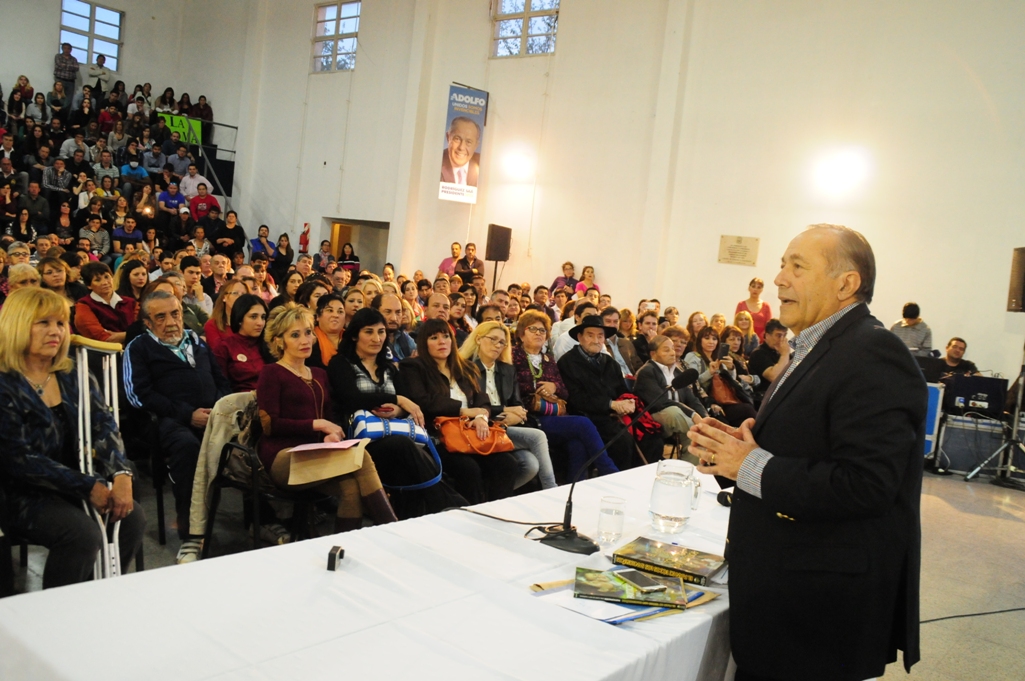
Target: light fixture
<point>518,166</point>
<point>839,173</point>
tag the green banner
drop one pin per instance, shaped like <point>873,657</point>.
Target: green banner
<point>181,125</point>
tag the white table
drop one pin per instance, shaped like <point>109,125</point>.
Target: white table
<point>441,597</point>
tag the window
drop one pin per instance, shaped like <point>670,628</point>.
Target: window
<point>92,30</point>
<point>524,27</point>
<point>334,37</point>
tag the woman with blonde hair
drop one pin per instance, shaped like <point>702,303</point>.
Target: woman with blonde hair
<point>43,486</point>
<point>296,408</point>
<point>745,323</point>
<point>371,288</point>
<point>627,323</point>
<point>489,347</point>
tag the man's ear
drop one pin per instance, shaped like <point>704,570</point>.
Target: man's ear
<point>850,282</point>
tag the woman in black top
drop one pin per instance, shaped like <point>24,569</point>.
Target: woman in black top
<point>281,260</point>
<point>363,378</point>
<point>442,383</point>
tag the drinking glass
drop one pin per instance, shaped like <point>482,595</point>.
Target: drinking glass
<point>610,519</point>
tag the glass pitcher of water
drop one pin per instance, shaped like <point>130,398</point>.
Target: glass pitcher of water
<point>674,495</point>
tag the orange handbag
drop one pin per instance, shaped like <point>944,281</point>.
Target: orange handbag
<point>458,436</point>
<point>722,392</point>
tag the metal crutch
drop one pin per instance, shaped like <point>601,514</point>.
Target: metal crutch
<point>108,563</point>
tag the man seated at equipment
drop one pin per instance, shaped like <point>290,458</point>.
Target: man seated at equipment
<point>954,361</point>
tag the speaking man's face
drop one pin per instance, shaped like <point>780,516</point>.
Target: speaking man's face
<point>462,141</point>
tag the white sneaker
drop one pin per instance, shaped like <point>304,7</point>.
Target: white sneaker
<point>189,551</point>
<point>274,534</point>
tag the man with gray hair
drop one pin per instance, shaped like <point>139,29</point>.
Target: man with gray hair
<point>825,530</point>
<point>18,252</point>
<point>170,373</point>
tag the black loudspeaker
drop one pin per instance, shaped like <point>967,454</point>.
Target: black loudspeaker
<point>1016,289</point>
<point>499,239</point>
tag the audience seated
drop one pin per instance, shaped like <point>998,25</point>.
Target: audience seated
<point>622,349</point>
<point>708,361</point>
<point>671,409</point>
<point>595,383</point>
<point>568,341</point>
<point>771,358</point>
<point>362,376</point>
<point>296,408</point>
<point>398,342</point>
<point>489,347</point>
<point>170,373</point>
<point>242,354</point>
<point>43,484</point>
<point>328,327</point>
<point>442,383</point>
<point>103,315</point>
<point>538,378</point>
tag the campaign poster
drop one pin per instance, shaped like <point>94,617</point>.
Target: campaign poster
<point>464,137</point>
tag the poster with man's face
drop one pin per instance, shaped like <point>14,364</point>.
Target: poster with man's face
<point>464,137</point>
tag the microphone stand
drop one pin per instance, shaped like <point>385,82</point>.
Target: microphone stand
<point>568,539</point>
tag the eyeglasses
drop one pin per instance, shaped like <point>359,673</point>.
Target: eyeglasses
<point>19,254</point>
<point>499,342</point>
<point>535,329</point>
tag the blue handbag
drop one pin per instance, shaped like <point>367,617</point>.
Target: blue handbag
<point>367,425</point>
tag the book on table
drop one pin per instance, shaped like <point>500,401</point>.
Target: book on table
<point>670,560</point>
<point>607,586</point>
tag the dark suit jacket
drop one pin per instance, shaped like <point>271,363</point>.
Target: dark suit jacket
<point>449,175</point>
<point>505,381</point>
<point>824,568</point>
<point>590,388</point>
<point>433,399</point>
<point>649,384</point>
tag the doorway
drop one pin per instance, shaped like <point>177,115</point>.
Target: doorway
<point>369,239</point>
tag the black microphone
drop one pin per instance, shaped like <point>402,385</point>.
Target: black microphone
<point>568,539</point>
<point>724,498</point>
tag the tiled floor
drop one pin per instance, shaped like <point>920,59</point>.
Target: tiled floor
<point>973,560</point>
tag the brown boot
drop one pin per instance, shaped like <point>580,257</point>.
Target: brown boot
<point>348,524</point>
<point>379,508</point>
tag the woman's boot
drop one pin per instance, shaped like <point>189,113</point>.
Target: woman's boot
<point>379,508</point>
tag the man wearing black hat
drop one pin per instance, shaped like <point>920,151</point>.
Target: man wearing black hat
<point>595,383</point>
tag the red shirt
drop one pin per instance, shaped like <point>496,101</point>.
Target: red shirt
<point>288,406</point>
<point>761,318</point>
<point>200,207</point>
<point>240,361</point>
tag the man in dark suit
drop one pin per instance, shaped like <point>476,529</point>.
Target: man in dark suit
<point>595,382</point>
<point>671,409</point>
<point>825,533</point>
<point>460,164</point>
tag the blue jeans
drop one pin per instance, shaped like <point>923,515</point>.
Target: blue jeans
<point>578,436</point>
<point>532,456</point>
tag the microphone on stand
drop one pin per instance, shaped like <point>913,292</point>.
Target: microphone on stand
<point>568,539</point>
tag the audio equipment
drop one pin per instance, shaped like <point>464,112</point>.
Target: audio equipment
<point>1016,287</point>
<point>499,239</point>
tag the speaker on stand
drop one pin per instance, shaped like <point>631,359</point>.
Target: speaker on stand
<point>497,250</point>
<point>1012,441</point>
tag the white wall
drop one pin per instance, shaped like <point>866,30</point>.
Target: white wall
<point>657,126</point>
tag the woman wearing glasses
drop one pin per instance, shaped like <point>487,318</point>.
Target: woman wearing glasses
<point>537,374</point>
<point>488,347</point>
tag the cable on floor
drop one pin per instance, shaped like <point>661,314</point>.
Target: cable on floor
<point>971,614</point>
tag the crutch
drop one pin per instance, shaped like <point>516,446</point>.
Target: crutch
<point>108,563</point>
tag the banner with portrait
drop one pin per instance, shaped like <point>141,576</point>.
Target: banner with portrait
<point>464,138</point>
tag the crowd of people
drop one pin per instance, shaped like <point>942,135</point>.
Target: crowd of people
<point>112,235</point>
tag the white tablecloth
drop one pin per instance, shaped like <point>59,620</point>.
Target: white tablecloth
<point>441,597</point>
